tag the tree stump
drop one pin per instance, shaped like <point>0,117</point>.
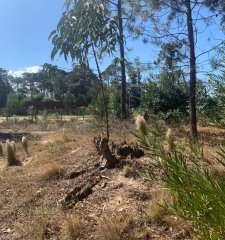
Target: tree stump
<point>102,147</point>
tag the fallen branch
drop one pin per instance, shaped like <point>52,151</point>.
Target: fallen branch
<point>80,192</point>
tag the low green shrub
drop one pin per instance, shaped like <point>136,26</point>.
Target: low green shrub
<point>198,197</point>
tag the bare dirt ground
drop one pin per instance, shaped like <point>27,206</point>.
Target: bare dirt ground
<point>122,205</point>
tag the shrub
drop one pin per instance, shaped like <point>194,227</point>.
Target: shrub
<point>197,196</point>
<point>14,104</point>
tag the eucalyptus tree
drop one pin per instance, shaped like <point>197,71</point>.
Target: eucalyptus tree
<point>85,31</point>
<point>179,20</point>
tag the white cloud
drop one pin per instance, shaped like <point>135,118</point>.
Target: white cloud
<point>32,69</point>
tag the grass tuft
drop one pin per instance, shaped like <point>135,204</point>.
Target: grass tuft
<point>141,125</point>
<point>11,154</point>
<point>25,144</point>
<point>52,170</point>
<point>72,228</point>
<point>116,228</point>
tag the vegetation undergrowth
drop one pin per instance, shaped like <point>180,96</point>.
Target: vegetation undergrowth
<point>198,197</point>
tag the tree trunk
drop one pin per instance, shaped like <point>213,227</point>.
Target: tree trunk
<point>122,62</point>
<point>103,94</point>
<point>192,86</point>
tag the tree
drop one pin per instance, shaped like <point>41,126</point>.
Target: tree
<point>14,104</point>
<point>69,101</point>
<point>55,81</point>
<point>177,20</point>
<point>134,73</point>
<point>81,82</point>
<point>85,29</point>
<point>162,94</point>
<point>122,60</point>
<point>5,87</point>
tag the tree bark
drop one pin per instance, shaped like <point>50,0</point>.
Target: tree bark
<point>122,62</point>
<point>192,83</point>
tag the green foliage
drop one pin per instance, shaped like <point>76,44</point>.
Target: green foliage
<point>174,117</point>
<point>38,97</point>
<point>134,85</point>
<point>164,94</point>
<point>83,83</point>
<point>69,101</point>
<point>113,102</point>
<point>198,197</point>
<point>212,105</point>
<point>84,25</point>
<point>14,104</point>
<point>5,88</point>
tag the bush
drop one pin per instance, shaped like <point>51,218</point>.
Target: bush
<point>174,117</point>
<point>198,197</point>
<point>14,104</point>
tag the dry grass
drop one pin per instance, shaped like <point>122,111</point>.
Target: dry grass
<point>25,144</point>
<point>116,227</point>
<point>51,170</point>
<point>11,154</point>
<point>32,191</point>
<point>155,211</point>
<point>141,124</point>
<point>128,171</point>
<point>72,228</point>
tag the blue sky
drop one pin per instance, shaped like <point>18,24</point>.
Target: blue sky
<point>26,24</point>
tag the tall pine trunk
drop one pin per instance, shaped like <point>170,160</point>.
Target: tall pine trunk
<point>192,86</point>
<point>122,62</point>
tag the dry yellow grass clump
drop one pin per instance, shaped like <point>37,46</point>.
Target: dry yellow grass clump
<point>169,144</point>
<point>51,170</point>
<point>72,228</point>
<point>11,153</point>
<point>25,144</point>
<point>113,228</point>
<point>141,124</point>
